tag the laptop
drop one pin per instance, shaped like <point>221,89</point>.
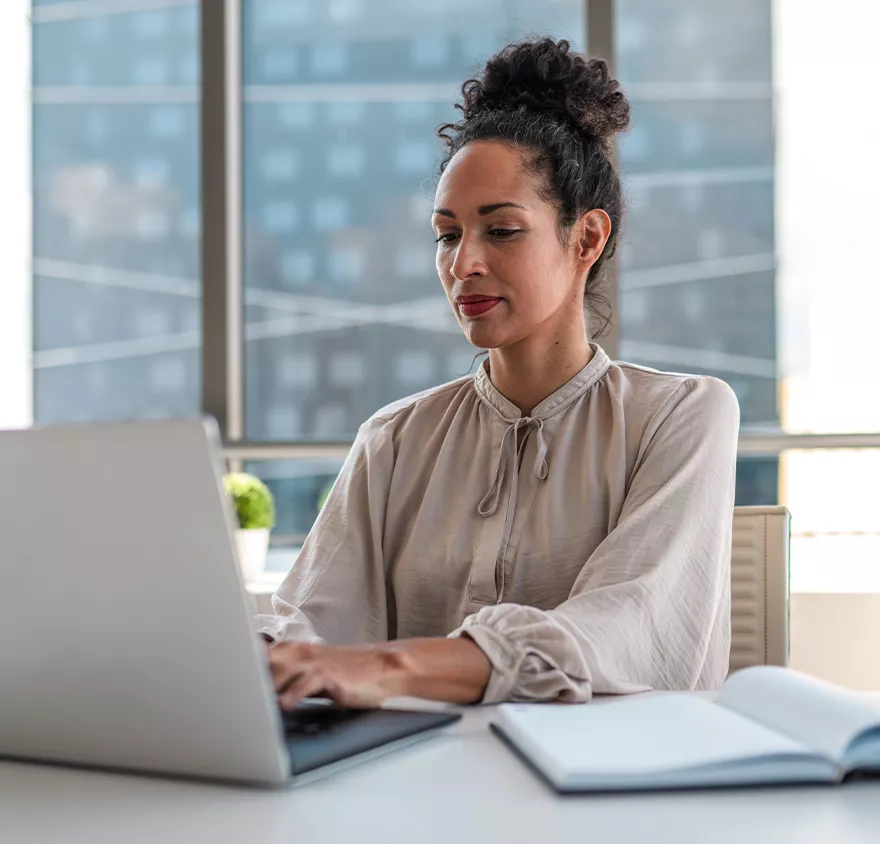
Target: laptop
<point>126,634</point>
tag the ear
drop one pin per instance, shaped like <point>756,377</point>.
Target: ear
<point>592,231</point>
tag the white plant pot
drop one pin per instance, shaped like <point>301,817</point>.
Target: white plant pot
<point>253,549</point>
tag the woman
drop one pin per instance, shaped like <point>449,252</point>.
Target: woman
<point>558,525</point>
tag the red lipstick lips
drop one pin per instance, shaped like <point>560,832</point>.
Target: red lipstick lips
<point>476,305</point>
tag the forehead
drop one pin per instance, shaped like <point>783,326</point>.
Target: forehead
<point>482,172</point>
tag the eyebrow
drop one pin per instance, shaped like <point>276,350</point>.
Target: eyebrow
<point>483,210</point>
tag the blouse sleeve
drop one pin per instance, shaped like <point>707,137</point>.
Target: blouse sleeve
<point>335,593</point>
<point>655,595</point>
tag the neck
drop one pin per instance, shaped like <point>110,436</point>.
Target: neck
<point>530,371</point>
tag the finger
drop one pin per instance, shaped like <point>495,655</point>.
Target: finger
<point>309,684</point>
<point>286,662</point>
<point>336,692</point>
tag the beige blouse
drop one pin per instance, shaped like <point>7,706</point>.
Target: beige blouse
<point>584,548</point>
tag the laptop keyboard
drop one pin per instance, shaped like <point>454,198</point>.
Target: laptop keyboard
<point>320,733</point>
<point>318,719</point>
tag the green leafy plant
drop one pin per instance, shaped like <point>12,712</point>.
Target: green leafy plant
<point>253,501</point>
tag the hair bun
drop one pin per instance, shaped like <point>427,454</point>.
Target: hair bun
<point>546,76</point>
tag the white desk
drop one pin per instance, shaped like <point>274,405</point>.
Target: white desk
<point>460,787</point>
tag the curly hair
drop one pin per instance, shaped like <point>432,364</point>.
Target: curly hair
<point>540,96</point>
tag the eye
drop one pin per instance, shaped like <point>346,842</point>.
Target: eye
<point>504,234</point>
<point>445,238</point>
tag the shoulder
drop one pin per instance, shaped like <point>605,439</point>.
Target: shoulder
<point>675,416</point>
<point>420,410</point>
<point>658,395</point>
<point>427,401</point>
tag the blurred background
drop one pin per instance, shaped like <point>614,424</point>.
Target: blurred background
<point>751,175</point>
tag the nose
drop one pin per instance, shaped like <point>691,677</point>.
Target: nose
<point>468,260</point>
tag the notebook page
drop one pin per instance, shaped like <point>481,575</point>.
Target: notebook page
<point>638,738</point>
<point>819,714</point>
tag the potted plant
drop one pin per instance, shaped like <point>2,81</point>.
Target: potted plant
<point>255,509</point>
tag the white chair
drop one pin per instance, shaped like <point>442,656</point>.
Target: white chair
<point>759,587</point>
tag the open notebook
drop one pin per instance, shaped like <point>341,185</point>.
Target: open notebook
<point>767,725</point>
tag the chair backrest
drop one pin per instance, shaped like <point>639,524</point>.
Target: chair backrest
<point>759,587</point>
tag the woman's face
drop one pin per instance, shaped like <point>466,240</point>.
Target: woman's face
<point>499,256</point>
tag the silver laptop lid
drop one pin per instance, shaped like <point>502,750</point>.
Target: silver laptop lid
<point>125,630</point>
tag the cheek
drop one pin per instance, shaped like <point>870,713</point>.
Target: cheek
<point>444,273</point>
<point>538,276</point>
<point>547,257</point>
<point>441,262</point>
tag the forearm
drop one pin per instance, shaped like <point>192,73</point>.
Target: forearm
<point>453,670</point>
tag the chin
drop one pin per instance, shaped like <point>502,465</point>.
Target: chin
<point>483,337</point>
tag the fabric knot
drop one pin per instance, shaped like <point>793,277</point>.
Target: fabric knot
<point>511,451</point>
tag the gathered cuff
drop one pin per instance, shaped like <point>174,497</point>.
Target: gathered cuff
<point>502,657</point>
<point>282,628</point>
<point>533,658</point>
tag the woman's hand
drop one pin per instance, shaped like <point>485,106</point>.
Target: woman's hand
<point>361,677</point>
<point>453,670</point>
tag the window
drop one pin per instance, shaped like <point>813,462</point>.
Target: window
<point>116,238</point>
<point>827,290</point>
<point>698,280</point>
<point>339,153</point>
<point>721,178</point>
<point>727,265</point>
<point>356,106</point>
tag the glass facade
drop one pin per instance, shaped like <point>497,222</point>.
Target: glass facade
<point>342,100</point>
<point>697,287</point>
<point>117,215</point>
<point>343,309</point>
<point>727,165</point>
